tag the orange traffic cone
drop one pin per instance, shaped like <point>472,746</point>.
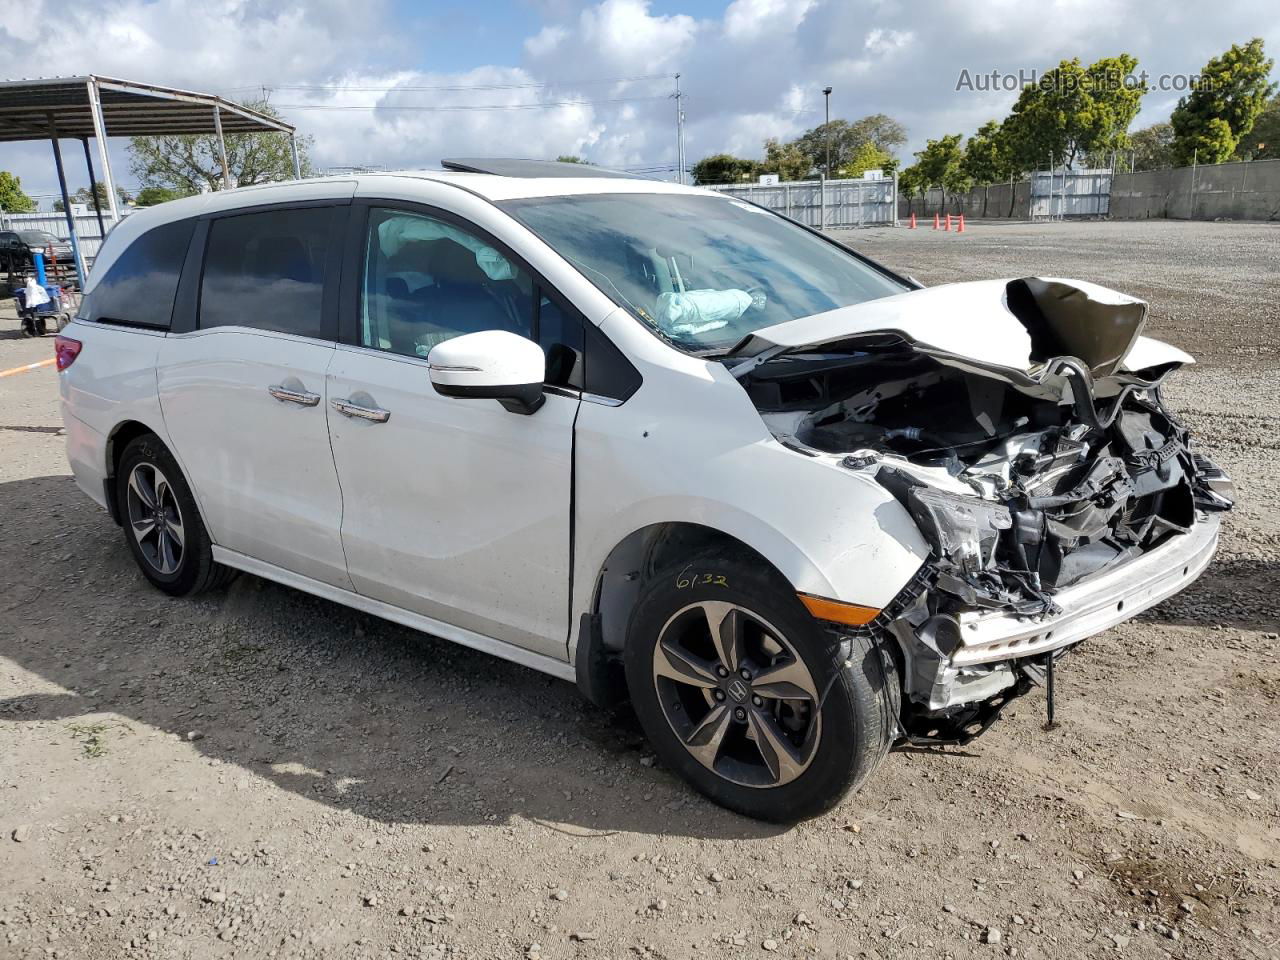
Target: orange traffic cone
<point>961,227</point>
<point>913,222</point>
<point>948,226</point>
<point>936,224</point>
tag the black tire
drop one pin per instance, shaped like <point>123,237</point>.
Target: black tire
<point>194,570</point>
<point>857,687</point>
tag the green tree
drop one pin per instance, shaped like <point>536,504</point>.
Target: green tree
<point>190,163</point>
<point>1072,111</point>
<point>910,183</point>
<point>85,195</point>
<point>1150,148</point>
<point>1232,93</point>
<point>787,160</point>
<point>878,129</point>
<point>939,165</point>
<point>1263,141</point>
<point>866,157</point>
<point>987,157</point>
<point>150,196</point>
<point>1210,141</point>
<point>12,197</point>
<point>572,158</point>
<point>724,168</point>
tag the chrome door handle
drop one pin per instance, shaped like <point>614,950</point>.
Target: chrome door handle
<point>349,409</point>
<point>300,397</point>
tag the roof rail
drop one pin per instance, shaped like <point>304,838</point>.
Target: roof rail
<point>505,167</point>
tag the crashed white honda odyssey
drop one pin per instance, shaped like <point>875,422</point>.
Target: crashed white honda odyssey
<point>651,439</point>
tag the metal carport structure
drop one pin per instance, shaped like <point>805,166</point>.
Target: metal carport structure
<point>91,106</point>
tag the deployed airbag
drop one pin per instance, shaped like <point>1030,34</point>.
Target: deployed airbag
<point>696,311</point>
<point>395,233</point>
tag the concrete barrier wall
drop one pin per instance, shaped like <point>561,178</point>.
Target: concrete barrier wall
<point>1231,191</point>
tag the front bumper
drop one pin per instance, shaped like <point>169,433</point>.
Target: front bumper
<point>1092,605</point>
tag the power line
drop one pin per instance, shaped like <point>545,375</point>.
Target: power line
<point>455,108</point>
<point>340,87</point>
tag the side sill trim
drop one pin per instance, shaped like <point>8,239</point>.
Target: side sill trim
<point>526,658</point>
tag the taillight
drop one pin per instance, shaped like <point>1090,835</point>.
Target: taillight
<point>65,351</point>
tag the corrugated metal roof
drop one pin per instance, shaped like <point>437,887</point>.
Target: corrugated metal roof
<point>129,109</point>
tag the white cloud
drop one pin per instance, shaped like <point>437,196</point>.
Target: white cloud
<point>882,42</point>
<point>754,70</point>
<point>545,41</point>
<point>747,20</point>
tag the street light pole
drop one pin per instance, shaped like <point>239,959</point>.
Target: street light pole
<point>826,93</point>
<point>826,167</point>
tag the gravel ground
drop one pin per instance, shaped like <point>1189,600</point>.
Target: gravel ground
<point>260,773</point>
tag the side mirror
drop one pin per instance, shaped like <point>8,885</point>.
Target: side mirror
<point>490,365</point>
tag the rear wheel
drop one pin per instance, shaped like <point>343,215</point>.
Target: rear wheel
<point>748,697</point>
<point>162,524</point>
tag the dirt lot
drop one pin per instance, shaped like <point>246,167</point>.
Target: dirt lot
<point>259,773</point>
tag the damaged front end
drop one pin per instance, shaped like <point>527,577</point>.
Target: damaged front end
<point>1058,493</point>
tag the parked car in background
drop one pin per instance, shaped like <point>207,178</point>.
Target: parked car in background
<point>21,244</point>
<point>655,440</point>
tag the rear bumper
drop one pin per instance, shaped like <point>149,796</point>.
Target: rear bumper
<point>87,454</point>
<point>1093,605</point>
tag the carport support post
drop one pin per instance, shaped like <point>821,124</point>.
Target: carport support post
<point>66,200</point>
<point>222,148</point>
<point>100,134</point>
<point>297,163</point>
<point>97,207</point>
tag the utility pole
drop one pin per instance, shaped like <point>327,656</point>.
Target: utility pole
<point>1195,157</point>
<point>679,133</point>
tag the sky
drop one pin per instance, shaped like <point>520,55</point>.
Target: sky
<point>403,84</point>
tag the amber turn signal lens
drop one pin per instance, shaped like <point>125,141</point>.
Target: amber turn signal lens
<point>851,614</point>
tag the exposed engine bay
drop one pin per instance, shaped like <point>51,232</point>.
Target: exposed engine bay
<point>1025,482</point>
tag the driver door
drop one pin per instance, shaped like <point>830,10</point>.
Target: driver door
<point>455,509</point>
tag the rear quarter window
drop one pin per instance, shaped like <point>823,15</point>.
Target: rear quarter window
<point>138,289</point>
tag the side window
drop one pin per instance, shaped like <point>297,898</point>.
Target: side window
<point>266,270</point>
<point>426,280</point>
<point>138,289</point>
<point>561,337</point>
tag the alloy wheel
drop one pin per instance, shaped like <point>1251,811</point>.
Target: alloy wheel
<point>737,694</point>
<point>155,518</point>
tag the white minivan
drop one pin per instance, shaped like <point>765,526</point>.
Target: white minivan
<point>656,440</point>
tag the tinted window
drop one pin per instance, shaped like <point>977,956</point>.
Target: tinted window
<point>266,270</point>
<point>427,280</point>
<point>139,287</point>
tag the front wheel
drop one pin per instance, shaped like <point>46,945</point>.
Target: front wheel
<point>748,697</point>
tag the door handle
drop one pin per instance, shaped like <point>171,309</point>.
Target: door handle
<point>300,397</point>
<point>349,409</point>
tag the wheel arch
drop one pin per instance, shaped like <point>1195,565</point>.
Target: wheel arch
<point>627,567</point>
<point>121,435</point>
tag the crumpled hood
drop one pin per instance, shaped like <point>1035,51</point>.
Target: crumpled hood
<point>1013,326</point>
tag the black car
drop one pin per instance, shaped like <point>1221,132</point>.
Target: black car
<point>20,244</point>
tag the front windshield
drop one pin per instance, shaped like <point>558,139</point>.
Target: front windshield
<point>703,271</point>
<point>38,237</point>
